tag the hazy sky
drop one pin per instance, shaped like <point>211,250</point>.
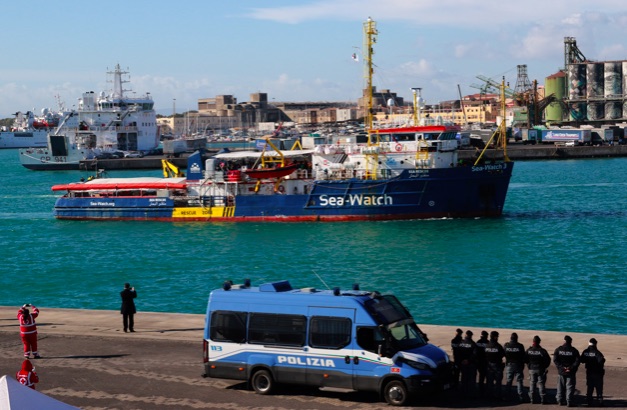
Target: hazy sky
<point>294,50</point>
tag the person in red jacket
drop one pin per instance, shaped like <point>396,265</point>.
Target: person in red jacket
<point>27,375</point>
<point>28,329</point>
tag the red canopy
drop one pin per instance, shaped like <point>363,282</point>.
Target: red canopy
<point>120,185</point>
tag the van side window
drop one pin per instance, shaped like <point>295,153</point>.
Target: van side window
<point>286,330</point>
<point>228,326</point>
<point>329,332</point>
<point>369,338</point>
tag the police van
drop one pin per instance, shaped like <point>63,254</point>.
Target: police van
<point>348,339</point>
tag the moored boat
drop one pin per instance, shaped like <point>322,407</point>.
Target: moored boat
<point>26,131</point>
<point>101,123</point>
<point>410,172</point>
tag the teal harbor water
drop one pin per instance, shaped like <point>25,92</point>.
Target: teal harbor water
<point>556,260</point>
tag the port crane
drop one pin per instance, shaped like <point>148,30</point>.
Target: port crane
<point>501,131</point>
<point>525,95</point>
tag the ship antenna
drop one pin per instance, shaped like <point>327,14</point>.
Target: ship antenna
<point>323,282</point>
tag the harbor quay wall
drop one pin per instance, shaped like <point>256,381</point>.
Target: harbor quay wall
<point>540,152</point>
<point>189,327</point>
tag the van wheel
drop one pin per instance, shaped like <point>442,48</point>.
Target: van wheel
<point>262,382</point>
<point>395,393</point>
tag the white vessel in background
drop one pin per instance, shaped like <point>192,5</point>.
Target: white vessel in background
<point>26,131</point>
<point>101,123</point>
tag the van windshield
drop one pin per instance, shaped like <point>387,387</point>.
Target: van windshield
<point>403,332</point>
<point>406,335</point>
<point>386,309</point>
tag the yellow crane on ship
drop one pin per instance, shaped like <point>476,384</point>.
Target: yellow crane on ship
<point>170,170</point>
<point>501,131</point>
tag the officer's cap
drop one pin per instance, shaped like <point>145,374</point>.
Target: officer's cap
<point>568,338</point>
<point>593,341</point>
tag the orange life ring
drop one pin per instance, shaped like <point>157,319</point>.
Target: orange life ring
<point>398,147</point>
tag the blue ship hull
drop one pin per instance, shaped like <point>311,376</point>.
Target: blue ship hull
<point>473,191</point>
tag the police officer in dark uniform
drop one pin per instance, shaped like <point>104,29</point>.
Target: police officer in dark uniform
<point>594,361</point>
<point>482,364</point>
<point>538,362</point>
<point>467,355</point>
<point>455,349</point>
<point>566,359</point>
<point>494,354</point>
<point>515,365</point>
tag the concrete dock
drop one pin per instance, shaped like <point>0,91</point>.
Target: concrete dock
<point>89,362</point>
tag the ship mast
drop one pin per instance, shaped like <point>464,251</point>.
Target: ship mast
<point>372,150</point>
<point>370,33</point>
<point>118,92</point>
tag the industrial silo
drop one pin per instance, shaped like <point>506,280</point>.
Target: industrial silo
<point>595,80</point>
<point>576,81</point>
<point>577,91</point>
<point>595,86</point>
<point>555,84</point>
<point>625,88</point>
<point>613,75</point>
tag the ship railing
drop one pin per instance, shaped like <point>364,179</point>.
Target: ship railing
<point>344,174</point>
<point>127,128</point>
<point>215,201</point>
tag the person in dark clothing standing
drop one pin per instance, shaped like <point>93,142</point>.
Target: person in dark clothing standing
<point>468,364</point>
<point>128,307</point>
<point>515,365</point>
<point>566,359</point>
<point>594,361</point>
<point>538,362</point>
<point>482,364</point>
<point>494,354</point>
<point>455,349</point>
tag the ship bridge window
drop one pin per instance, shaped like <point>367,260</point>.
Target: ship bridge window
<point>430,136</point>
<point>405,137</point>
<point>448,136</point>
<point>147,106</point>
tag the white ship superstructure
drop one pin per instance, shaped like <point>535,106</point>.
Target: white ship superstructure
<point>102,122</point>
